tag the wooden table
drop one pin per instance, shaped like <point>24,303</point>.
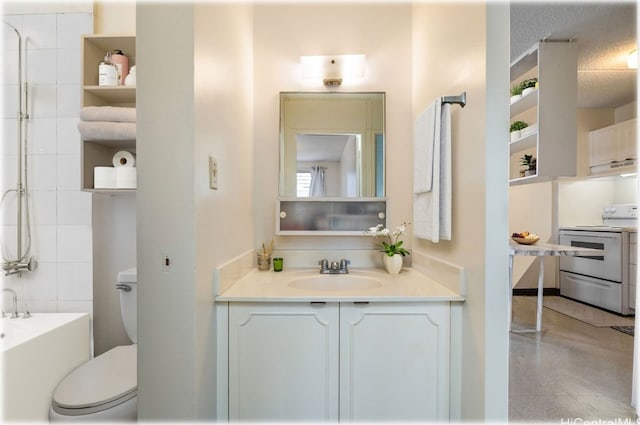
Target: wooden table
<point>540,250</point>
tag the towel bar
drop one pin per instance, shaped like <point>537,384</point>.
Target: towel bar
<point>460,100</point>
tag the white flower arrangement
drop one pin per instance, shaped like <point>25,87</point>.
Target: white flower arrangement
<point>394,245</point>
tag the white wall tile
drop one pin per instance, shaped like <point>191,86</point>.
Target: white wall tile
<point>75,282</point>
<point>74,207</point>
<point>62,237</point>
<point>68,136</point>
<point>40,66</point>
<point>9,63</point>
<point>43,207</point>
<point>38,306</point>
<point>68,101</point>
<point>42,100</point>
<point>74,244</point>
<point>40,31</point>
<point>8,172</point>
<point>44,246</point>
<point>68,66</point>
<point>71,26</point>
<point>40,284</point>
<point>9,145</point>
<point>68,172</point>
<point>11,282</point>
<point>76,307</point>
<point>9,210</point>
<point>9,101</point>
<point>42,136</point>
<point>43,172</point>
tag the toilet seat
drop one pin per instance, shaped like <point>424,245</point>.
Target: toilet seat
<point>100,384</point>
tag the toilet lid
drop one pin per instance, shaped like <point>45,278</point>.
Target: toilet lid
<point>108,377</point>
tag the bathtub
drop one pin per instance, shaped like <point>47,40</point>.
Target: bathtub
<point>36,354</point>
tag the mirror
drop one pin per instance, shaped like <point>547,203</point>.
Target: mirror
<point>332,145</point>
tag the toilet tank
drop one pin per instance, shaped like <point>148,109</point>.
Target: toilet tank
<point>128,286</point>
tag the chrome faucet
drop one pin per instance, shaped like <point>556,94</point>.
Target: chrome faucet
<point>14,299</point>
<point>336,267</point>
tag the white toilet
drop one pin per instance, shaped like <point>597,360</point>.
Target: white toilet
<point>106,387</point>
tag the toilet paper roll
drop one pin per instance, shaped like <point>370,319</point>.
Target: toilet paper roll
<point>124,159</point>
<point>104,177</point>
<point>126,177</point>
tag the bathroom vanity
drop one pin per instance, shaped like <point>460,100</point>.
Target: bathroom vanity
<point>366,346</point>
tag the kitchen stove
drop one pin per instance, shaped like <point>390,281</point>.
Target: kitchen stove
<point>602,280</point>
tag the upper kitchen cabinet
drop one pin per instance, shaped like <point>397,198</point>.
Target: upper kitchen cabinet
<point>549,109</point>
<point>99,151</point>
<point>613,149</point>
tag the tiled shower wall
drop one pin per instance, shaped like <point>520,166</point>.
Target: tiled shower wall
<point>61,213</point>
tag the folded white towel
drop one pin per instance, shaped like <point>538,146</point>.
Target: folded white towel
<point>108,113</point>
<point>426,135</point>
<point>98,130</point>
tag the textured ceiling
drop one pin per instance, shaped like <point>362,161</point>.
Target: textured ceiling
<point>605,32</point>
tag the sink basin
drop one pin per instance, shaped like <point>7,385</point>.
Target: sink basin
<point>339,282</point>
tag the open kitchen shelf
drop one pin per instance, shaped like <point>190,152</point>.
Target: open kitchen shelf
<point>552,106</point>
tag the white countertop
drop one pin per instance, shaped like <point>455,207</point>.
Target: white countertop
<point>547,249</point>
<point>268,286</point>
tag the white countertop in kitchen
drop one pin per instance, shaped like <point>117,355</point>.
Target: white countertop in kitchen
<point>548,249</point>
<point>409,285</point>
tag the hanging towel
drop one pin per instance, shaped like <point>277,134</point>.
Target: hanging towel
<point>108,113</point>
<point>432,209</point>
<point>99,130</point>
<point>426,133</point>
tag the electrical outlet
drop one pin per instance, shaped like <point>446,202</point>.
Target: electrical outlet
<point>213,173</point>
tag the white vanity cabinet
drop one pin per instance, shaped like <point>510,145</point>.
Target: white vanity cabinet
<point>283,362</point>
<point>369,361</point>
<point>394,362</point>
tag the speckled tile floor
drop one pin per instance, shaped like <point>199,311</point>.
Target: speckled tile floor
<point>570,370</point>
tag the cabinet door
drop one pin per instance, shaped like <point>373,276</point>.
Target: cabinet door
<point>603,146</point>
<point>283,362</point>
<point>628,141</point>
<point>394,362</point>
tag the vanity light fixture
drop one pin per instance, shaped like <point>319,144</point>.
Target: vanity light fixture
<point>632,59</point>
<point>332,70</point>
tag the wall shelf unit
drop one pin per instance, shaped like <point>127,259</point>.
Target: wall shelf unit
<point>100,152</point>
<point>552,107</point>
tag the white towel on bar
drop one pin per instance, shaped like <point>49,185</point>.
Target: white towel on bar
<point>108,113</point>
<point>432,209</point>
<point>426,132</point>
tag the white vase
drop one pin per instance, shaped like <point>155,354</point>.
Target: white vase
<point>392,264</point>
<point>515,135</point>
<point>528,90</point>
<point>514,98</point>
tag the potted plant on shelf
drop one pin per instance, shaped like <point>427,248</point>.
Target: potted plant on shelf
<point>515,128</point>
<point>528,86</point>
<point>516,93</point>
<point>530,162</point>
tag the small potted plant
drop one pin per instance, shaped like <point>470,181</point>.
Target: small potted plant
<point>516,93</point>
<point>530,162</point>
<point>392,248</point>
<point>528,86</point>
<point>515,128</point>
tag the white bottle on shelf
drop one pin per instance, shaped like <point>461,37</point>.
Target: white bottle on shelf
<point>107,72</point>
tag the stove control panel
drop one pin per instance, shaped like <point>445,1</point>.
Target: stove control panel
<point>620,211</point>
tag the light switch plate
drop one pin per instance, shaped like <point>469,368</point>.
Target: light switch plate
<point>213,173</point>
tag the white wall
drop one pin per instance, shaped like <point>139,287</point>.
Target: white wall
<point>61,212</point>
<point>456,48</point>
<point>203,109</point>
<point>284,32</point>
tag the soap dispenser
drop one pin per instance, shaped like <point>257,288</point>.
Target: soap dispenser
<point>107,72</point>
